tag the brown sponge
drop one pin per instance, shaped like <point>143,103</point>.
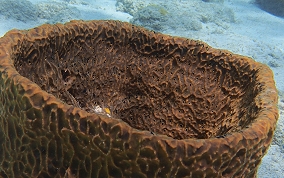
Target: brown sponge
<point>109,99</point>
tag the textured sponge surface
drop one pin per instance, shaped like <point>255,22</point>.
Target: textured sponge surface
<point>175,107</point>
<point>170,86</point>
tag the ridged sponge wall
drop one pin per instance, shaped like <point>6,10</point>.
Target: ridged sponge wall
<point>109,99</point>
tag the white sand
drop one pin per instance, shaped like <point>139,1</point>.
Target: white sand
<point>256,33</point>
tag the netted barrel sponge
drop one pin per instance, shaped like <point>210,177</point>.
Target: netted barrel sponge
<point>109,99</point>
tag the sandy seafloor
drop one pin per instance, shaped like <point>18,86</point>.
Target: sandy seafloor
<point>254,33</point>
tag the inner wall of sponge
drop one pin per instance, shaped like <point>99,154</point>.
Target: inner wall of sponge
<point>150,83</point>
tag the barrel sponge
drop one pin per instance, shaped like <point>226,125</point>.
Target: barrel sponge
<point>173,107</point>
